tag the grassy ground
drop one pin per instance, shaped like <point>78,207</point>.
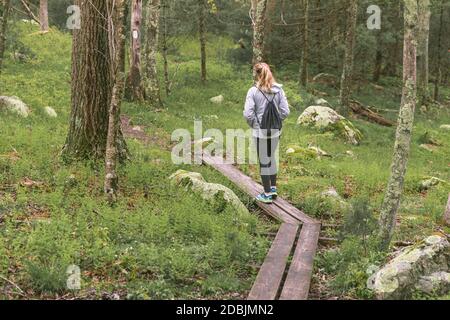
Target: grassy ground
<point>154,247</point>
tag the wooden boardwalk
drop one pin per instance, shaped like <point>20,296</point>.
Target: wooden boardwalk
<point>279,277</point>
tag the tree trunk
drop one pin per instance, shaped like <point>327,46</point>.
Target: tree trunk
<point>91,86</point>
<point>43,15</point>
<point>378,58</point>
<point>318,26</point>
<point>447,213</point>
<point>151,83</point>
<point>135,90</point>
<point>439,57</point>
<point>347,72</point>
<point>305,47</point>
<point>5,6</point>
<point>202,5</point>
<point>394,190</point>
<point>258,30</point>
<point>165,48</point>
<point>423,37</point>
<point>116,39</point>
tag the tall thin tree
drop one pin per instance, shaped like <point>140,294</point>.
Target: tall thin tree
<point>43,15</point>
<point>151,80</point>
<point>116,42</point>
<point>305,45</point>
<point>135,90</point>
<point>347,70</point>
<point>165,48</point>
<point>91,86</point>
<point>439,54</point>
<point>423,39</point>
<point>402,146</point>
<point>202,6</point>
<point>5,6</point>
<point>258,20</point>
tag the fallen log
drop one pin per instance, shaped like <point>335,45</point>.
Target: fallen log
<point>358,108</point>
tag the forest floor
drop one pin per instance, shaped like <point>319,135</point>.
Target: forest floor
<point>161,241</point>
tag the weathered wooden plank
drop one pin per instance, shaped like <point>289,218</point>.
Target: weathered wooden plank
<point>250,187</point>
<point>271,273</point>
<point>298,280</point>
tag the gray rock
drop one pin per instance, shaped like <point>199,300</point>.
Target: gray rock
<point>399,278</point>
<point>437,283</point>
<point>218,100</point>
<point>14,105</point>
<point>445,127</point>
<point>212,192</point>
<point>325,118</point>
<point>49,111</point>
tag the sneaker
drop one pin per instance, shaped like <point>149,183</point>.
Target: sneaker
<point>264,198</point>
<point>274,192</point>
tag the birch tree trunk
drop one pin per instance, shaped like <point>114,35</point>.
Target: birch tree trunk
<point>151,82</point>
<point>116,40</point>
<point>91,87</point>
<point>394,190</point>
<point>447,213</point>
<point>135,90</point>
<point>43,15</point>
<point>259,17</point>
<point>423,51</point>
<point>347,72</point>
<point>202,6</point>
<point>305,55</point>
<point>5,6</point>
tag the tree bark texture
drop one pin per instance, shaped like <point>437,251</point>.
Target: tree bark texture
<point>92,86</point>
<point>423,39</point>
<point>116,39</point>
<point>43,15</point>
<point>305,47</point>
<point>347,70</point>
<point>151,81</point>
<point>5,6</point>
<point>135,90</point>
<point>202,7</point>
<point>394,190</point>
<point>258,30</point>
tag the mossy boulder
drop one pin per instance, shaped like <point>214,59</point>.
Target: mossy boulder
<point>402,275</point>
<point>14,105</point>
<point>326,119</point>
<point>218,195</point>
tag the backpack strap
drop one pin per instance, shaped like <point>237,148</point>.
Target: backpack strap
<point>265,95</point>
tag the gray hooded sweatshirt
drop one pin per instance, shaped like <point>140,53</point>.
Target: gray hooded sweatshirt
<point>256,104</point>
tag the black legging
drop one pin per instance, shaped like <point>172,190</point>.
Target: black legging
<point>266,149</point>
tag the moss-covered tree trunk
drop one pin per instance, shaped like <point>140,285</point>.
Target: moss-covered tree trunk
<point>43,15</point>
<point>259,17</point>
<point>394,190</point>
<point>202,6</point>
<point>5,6</point>
<point>135,90</point>
<point>305,46</point>
<point>91,87</point>
<point>116,39</point>
<point>447,212</point>
<point>151,81</point>
<point>347,70</point>
<point>423,39</point>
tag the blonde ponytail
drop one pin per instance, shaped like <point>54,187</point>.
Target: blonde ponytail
<point>264,77</point>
